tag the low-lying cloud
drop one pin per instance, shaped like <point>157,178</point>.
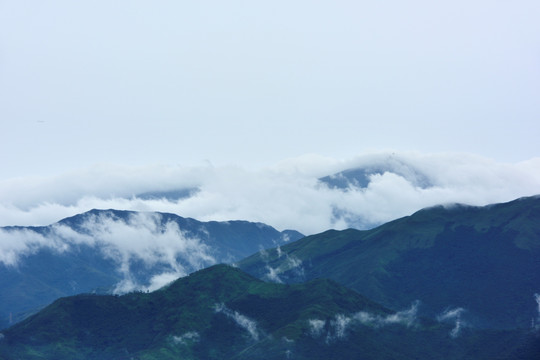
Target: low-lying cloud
<point>453,316</point>
<point>186,338</point>
<point>338,327</point>
<point>142,238</point>
<point>291,264</point>
<point>17,243</point>
<point>286,196</point>
<point>316,327</point>
<point>536,322</point>
<point>242,321</point>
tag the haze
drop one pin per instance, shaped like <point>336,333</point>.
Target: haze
<point>92,91</point>
<point>252,83</point>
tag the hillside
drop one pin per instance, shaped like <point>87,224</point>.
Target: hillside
<point>482,260</point>
<point>223,313</point>
<point>109,251</point>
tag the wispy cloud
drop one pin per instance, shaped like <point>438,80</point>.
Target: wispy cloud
<point>145,237</point>
<point>241,320</point>
<point>188,337</point>
<point>405,317</point>
<point>16,243</point>
<point>454,316</point>
<point>141,237</point>
<point>316,327</point>
<point>536,322</point>
<point>287,195</point>
<point>291,264</point>
<point>273,275</point>
<point>338,327</point>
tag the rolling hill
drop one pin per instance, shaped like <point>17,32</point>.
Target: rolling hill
<point>222,313</point>
<point>109,251</point>
<point>484,261</point>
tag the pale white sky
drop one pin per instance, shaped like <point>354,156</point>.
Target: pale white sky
<point>250,83</point>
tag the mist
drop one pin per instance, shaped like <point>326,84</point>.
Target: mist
<point>241,320</point>
<point>338,327</point>
<point>141,238</point>
<point>536,322</point>
<point>186,338</point>
<point>287,195</point>
<point>453,316</point>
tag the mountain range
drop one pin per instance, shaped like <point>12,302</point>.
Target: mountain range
<point>223,313</point>
<point>108,251</point>
<point>482,260</point>
<point>447,282</point>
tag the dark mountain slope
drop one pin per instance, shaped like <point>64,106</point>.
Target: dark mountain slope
<point>101,250</point>
<point>223,313</point>
<point>485,260</point>
<point>228,239</point>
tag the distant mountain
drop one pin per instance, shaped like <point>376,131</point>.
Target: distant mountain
<point>170,195</point>
<point>483,262</point>
<point>116,251</point>
<point>361,177</point>
<point>223,313</point>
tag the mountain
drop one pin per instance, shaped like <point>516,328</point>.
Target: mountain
<point>360,177</point>
<point>483,262</point>
<point>170,195</point>
<point>116,251</point>
<point>222,313</point>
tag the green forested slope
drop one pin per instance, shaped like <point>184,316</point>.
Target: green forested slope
<point>485,260</point>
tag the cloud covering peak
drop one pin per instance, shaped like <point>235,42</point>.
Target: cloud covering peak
<point>288,195</point>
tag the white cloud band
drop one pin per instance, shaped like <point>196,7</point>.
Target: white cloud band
<point>286,196</point>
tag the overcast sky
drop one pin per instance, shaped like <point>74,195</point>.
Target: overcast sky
<point>97,85</point>
<point>254,82</point>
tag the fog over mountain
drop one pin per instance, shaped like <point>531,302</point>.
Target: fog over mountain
<point>141,141</point>
<point>191,108</point>
<point>112,251</point>
<point>309,194</point>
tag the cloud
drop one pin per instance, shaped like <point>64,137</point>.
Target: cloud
<point>241,320</point>
<point>287,340</point>
<point>453,315</point>
<point>291,263</point>
<point>146,238</point>
<point>536,324</point>
<point>338,327</point>
<point>316,327</point>
<point>160,280</point>
<point>405,317</point>
<point>273,275</point>
<point>142,238</point>
<point>287,195</point>
<point>188,337</point>
<point>16,243</point>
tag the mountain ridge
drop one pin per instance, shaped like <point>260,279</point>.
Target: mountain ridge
<point>223,313</point>
<point>429,256</point>
<point>104,250</point>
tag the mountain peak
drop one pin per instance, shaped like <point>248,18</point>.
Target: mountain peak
<point>428,256</point>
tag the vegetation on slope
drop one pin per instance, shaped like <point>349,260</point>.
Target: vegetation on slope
<point>223,313</point>
<point>482,259</point>
<point>72,256</point>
